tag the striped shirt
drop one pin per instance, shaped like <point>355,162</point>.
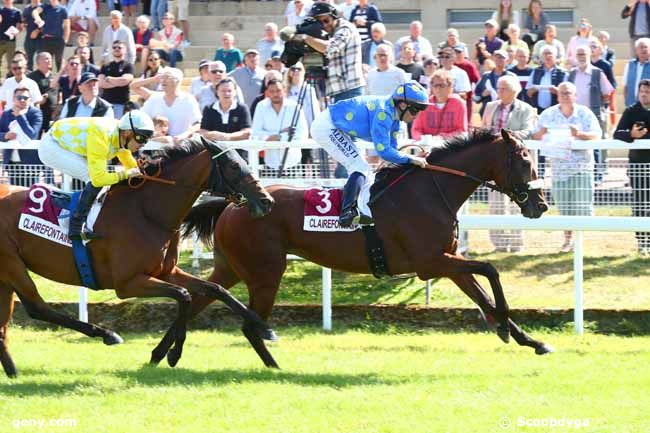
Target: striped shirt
<point>344,71</point>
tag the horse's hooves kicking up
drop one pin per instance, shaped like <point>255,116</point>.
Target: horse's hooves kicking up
<point>112,338</point>
<point>544,349</point>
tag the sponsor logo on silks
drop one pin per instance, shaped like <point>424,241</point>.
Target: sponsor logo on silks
<point>343,143</point>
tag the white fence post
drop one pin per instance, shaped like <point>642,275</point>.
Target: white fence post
<point>578,267</point>
<point>327,299</point>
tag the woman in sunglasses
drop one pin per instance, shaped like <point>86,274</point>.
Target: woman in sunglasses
<point>81,147</point>
<point>370,118</point>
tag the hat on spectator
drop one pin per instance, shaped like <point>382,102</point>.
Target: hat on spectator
<point>251,51</point>
<point>502,53</point>
<point>275,54</point>
<point>203,63</point>
<point>87,76</point>
<point>174,72</point>
<point>491,22</point>
<point>460,47</point>
<point>430,61</point>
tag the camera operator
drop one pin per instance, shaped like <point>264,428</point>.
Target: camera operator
<point>342,50</point>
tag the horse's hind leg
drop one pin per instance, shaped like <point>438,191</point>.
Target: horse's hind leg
<point>472,288</point>
<point>38,309</point>
<point>6,310</point>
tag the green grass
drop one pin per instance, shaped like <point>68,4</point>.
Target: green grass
<point>350,381</point>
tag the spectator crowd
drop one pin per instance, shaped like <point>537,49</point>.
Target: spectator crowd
<point>518,75</point>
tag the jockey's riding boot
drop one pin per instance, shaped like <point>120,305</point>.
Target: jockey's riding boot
<point>351,192</point>
<point>86,200</point>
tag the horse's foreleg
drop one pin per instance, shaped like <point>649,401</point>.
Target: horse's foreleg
<point>221,274</point>
<point>145,286</point>
<point>23,285</point>
<point>473,289</point>
<point>6,310</point>
<point>453,266</point>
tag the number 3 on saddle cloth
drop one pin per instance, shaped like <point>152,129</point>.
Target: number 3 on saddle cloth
<point>321,214</point>
<point>46,213</point>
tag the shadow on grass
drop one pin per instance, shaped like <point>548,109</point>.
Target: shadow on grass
<point>164,376</point>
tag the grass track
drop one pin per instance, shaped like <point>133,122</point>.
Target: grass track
<point>350,381</point>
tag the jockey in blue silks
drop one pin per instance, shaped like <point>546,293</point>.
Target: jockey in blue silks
<point>371,118</point>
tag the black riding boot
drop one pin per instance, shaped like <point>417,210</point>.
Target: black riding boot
<point>88,196</point>
<point>351,192</point>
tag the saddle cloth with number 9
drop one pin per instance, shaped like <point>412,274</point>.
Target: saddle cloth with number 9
<point>323,207</point>
<point>42,217</point>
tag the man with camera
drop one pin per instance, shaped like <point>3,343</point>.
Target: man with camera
<point>634,125</point>
<point>342,50</point>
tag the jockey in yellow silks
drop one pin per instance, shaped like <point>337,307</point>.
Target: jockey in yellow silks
<point>82,146</point>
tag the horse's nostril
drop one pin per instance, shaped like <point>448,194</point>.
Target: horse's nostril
<point>543,207</point>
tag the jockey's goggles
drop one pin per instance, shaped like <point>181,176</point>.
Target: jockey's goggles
<point>140,136</point>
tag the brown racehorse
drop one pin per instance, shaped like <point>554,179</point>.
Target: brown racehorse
<point>137,255</point>
<point>416,219</point>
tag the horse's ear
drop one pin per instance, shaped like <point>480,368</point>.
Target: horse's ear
<point>507,136</point>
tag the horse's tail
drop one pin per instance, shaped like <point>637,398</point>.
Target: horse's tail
<point>202,219</point>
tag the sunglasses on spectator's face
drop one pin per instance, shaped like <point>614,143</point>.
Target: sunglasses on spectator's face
<point>439,86</point>
<point>117,47</point>
<point>217,71</point>
<point>444,57</point>
<point>22,97</point>
<point>16,68</point>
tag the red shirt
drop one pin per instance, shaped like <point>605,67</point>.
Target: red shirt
<point>449,120</point>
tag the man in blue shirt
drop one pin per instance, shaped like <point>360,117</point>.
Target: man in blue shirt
<point>28,120</point>
<point>369,118</point>
<point>54,23</point>
<point>10,17</point>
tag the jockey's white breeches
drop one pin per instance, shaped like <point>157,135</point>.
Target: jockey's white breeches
<point>63,160</point>
<point>338,144</point>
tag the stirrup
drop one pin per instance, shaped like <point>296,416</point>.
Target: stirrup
<point>85,236</point>
<point>348,218</point>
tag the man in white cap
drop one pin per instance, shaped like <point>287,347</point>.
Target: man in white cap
<point>179,107</point>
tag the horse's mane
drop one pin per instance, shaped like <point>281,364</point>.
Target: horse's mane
<point>476,137</point>
<point>173,153</point>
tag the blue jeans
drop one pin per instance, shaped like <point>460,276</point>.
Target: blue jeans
<point>158,9</point>
<point>171,56</point>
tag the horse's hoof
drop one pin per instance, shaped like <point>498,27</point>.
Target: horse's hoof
<point>12,375</point>
<point>544,349</point>
<point>174,356</point>
<point>267,334</point>
<point>156,358</point>
<point>504,333</point>
<point>112,338</point>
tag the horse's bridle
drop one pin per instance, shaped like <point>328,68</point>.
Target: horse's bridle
<point>217,182</point>
<point>516,193</point>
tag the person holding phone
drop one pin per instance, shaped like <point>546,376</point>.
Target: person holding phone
<point>634,125</point>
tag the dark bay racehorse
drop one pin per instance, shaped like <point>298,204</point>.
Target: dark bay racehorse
<point>138,253</point>
<point>415,217</point>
